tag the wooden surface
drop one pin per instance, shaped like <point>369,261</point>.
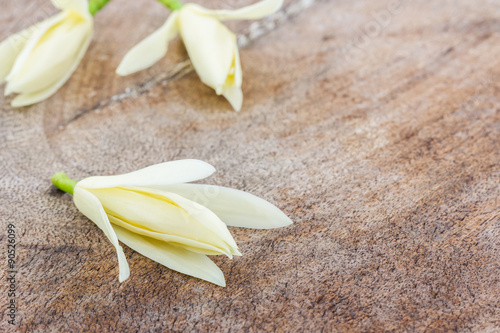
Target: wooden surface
<point>378,135</point>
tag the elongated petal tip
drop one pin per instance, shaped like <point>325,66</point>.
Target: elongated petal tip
<point>90,206</point>
<point>29,99</point>
<point>173,257</point>
<point>285,220</point>
<point>173,172</point>
<point>124,70</point>
<point>234,207</point>
<point>8,90</point>
<point>20,101</point>
<point>234,96</point>
<point>149,50</point>
<point>136,60</point>
<point>124,270</point>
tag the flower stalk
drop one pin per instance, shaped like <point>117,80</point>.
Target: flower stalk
<point>172,4</point>
<point>63,182</point>
<point>96,5</point>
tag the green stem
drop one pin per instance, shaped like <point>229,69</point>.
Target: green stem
<point>96,5</point>
<point>172,4</point>
<point>63,182</point>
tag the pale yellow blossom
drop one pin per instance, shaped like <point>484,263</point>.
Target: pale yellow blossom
<point>155,212</point>
<point>211,46</point>
<point>37,61</point>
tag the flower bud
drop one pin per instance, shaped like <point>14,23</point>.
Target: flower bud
<point>36,62</point>
<point>211,46</point>
<point>156,213</point>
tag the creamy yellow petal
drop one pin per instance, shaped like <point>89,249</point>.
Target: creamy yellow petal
<point>234,95</point>
<point>236,68</point>
<point>57,52</point>
<point>173,257</point>
<point>233,207</point>
<point>156,213</point>
<point>151,49</point>
<point>24,99</point>
<point>38,32</point>
<point>52,67</point>
<point>203,215</point>
<point>255,11</point>
<point>10,49</point>
<point>186,243</point>
<point>210,46</point>
<point>167,173</point>
<point>88,204</point>
<point>232,87</point>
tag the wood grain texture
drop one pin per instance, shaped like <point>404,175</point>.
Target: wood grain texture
<point>374,127</point>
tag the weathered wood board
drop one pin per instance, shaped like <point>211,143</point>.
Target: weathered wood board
<point>375,125</point>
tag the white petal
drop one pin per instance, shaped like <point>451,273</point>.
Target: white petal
<point>203,215</point>
<point>255,11</point>
<point>235,208</point>
<point>24,99</point>
<point>158,213</point>
<point>176,258</point>
<point>167,173</point>
<point>238,73</point>
<point>88,204</point>
<point>210,46</point>
<point>151,49</point>
<point>232,88</point>
<point>234,95</point>
<point>55,55</point>
<point>80,7</point>
<point>10,48</point>
<point>38,32</point>
<point>186,243</point>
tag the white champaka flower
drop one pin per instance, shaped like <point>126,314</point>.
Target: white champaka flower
<point>37,61</point>
<point>155,212</point>
<point>211,46</point>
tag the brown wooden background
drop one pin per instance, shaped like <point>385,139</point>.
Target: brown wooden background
<point>378,135</point>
